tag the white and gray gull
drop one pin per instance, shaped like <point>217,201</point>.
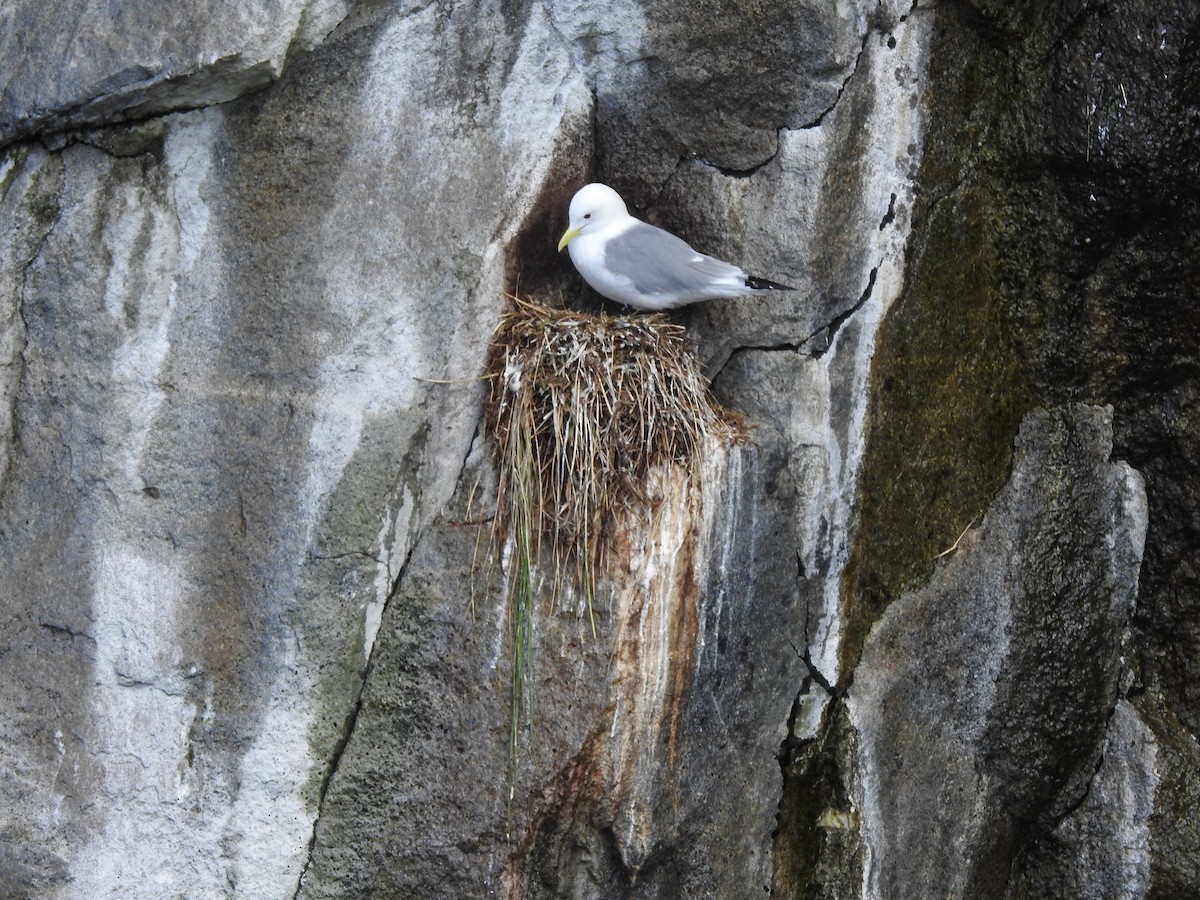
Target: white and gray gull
<point>641,265</point>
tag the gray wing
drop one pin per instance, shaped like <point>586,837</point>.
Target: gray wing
<point>660,263</point>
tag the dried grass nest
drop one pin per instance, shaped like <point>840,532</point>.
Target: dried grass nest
<point>582,407</point>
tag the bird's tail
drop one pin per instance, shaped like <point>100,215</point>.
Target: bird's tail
<point>761,284</point>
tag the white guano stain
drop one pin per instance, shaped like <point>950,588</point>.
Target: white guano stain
<point>142,685</point>
<point>894,133</point>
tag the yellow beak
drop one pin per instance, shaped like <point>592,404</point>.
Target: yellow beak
<point>567,237</point>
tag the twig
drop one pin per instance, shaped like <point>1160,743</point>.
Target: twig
<point>487,377</point>
<point>954,546</point>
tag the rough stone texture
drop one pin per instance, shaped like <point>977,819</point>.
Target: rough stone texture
<point>1078,189</point>
<point>704,80</point>
<point>220,450</point>
<point>1060,143</point>
<point>647,764</point>
<point>1102,848</point>
<point>614,797</point>
<point>221,457</point>
<point>980,700</point>
<point>252,642</point>
<point>73,64</point>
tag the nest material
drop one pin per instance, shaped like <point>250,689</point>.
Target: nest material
<point>582,408</point>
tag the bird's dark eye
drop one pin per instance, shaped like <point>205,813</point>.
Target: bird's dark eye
<point>587,215</point>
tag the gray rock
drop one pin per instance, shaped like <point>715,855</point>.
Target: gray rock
<point>981,700</point>
<point>647,763</point>
<point>221,448</point>
<point>242,345</point>
<point>94,65</point>
<point>250,643</point>
<point>1091,271</point>
<point>1102,848</point>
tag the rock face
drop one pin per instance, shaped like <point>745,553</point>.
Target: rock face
<point>981,700</point>
<point>93,65</point>
<point>255,640</point>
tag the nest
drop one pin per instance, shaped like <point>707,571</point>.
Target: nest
<point>582,409</point>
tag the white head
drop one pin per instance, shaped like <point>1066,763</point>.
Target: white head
<point>593,208</point>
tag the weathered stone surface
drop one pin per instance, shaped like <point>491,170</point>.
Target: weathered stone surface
<point>239,520</point>
<point>980,701</point>
<point>719,83</point>
<point>1102,848</point>
<point>648,754</point>
<point>1174,831</point>
<point>93,64</point>
<point>217,324</point>
<point>221,451</point>
<point>1085,171</point>
<point>579,827</point>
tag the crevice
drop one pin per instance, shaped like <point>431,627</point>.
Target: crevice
<point>54,140</point>
<point>729,172</point>
<point>890,216</point>
<point>66,632</point>
<point>815,675</point>
<point>829,330</point>
<point>841,318</point>
<point>59,139</point>
<point>872,29</point>
<point>349,554</point>
<point>813,796</point>
<point>821,116</point>
<point>144,104</point>
<point>132,681</point>
<point>1075,805</point>
<point>351,721</point>
<point>790,742</point>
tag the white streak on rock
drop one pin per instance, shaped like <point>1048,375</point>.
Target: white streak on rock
<point>833,426</point>
<point>271,820</point>
<point>142,717</point>
<point>189,148</point>
<point>140,297</point>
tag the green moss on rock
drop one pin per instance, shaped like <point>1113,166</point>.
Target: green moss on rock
<point>818,849</point>
<point>948,395</point>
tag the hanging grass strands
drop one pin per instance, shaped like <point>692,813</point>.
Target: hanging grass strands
<point>582,407</point>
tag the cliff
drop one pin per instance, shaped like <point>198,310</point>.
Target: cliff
<point>930,628</point>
